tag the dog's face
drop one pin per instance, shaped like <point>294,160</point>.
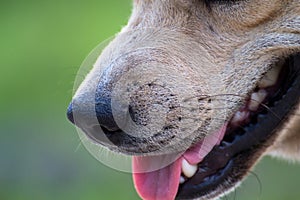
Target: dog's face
<point>210,85</point>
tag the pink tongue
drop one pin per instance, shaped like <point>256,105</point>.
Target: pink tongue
<point>198,152</point>
<point>163,184</point>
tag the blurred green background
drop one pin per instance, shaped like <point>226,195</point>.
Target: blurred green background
<point>42,44</point>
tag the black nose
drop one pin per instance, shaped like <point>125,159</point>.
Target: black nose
<point>70,113</point>
<point>102,111</point>
<point>105,115</point>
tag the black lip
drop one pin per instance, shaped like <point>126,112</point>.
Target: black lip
<point>229,162</point>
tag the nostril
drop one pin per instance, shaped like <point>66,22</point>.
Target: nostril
<point>70,113</point>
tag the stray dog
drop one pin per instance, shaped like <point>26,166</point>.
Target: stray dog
<point>197,91</point>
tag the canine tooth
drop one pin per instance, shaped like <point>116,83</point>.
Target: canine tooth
<point>270,77</point>
<point>181,180</point>
<point>256,99</point>
<point>187,169</point>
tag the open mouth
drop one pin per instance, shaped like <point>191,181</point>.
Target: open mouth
<point>268,107</point>
<point>229,154</point>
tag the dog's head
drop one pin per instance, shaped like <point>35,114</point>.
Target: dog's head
<point>210,83</point>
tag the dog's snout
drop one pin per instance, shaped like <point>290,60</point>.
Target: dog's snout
<point>134,104</point>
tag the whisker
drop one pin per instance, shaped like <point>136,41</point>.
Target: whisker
<point>269,109</point>
<point>259,182</point>
<point>203,97</point>
<point>208,109</point>
<point>235,194</point>
<point>197,119</point>
<point>226,197</point>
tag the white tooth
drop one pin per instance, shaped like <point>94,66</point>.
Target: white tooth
<point>181,180</point>
<point>256,99</point>
<point>270,77</point>
<point>187,169</point>
<point>239,116</point>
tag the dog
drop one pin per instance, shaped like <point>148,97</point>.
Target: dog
<point>197,92</point>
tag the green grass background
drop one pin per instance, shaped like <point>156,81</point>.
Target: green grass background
<point>42,44</point>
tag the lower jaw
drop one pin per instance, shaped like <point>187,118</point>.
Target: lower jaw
<point>228,163</point>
